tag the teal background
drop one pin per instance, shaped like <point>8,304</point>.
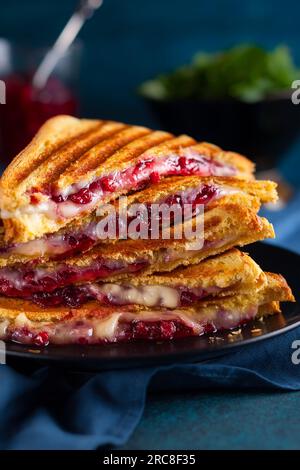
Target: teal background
<point>125,43</point>
<point>128,41</point>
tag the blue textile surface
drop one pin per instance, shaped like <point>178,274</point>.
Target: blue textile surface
<point>53,409</point>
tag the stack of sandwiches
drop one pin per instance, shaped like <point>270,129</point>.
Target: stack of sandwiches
<point>78,265</point>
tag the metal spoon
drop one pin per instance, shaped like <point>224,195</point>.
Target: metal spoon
<point>64,41</point>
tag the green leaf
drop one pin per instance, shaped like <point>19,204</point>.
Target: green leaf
<point>245,72</point>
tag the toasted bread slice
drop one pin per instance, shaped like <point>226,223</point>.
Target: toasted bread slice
<point>229,273</point>
<point>73,165</point>
<point>265,191</point>
<point>82,236</point>
<point>27,323</point>
<point>224,228</point>
<point>232,269</point>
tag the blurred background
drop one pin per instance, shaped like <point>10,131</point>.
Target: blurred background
<point>128,42</point>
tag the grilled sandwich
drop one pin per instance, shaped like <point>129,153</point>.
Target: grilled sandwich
<point>225,227</point>
<point>93,323</point>
<point>172,192</point>
<point>231,272</point>
<point>63,281</point>
<point>72,165</point>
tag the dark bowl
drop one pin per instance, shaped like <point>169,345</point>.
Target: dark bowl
<point>263,131</point>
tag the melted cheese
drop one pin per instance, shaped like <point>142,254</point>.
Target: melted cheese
<point>47,207</point>
<point>106,328</point>
<point>149,296</point>
<point>3,328</point>
<point>22,320</point>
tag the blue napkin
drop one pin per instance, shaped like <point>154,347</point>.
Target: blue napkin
<point>50,408</point>
<point>53,409</point>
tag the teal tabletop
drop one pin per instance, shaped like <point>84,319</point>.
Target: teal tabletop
<point>219,420</point>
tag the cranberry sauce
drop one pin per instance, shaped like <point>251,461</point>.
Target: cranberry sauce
<point>70,296</point>
<point>76,244</point>
<point>75,296</point>
<point>203,195</point>
<point>82,332</point>
<point>55,246</point>
<point>25,335</point>
<point>156,330</point>
<point>144,172</point>
<point>25,282</point>
<point>27,108</point>
<point>123,326</point>
<point>60,246</point>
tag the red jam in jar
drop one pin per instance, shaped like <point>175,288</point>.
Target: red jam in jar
<point>27,108</point>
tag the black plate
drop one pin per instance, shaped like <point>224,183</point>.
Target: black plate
<point>116,356</point>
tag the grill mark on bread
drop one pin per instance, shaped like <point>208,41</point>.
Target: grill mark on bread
<point>111,153</point>
<point>41,149</point>
<point>117,155</point>
<point>153,146</point>
<point>60,160</point>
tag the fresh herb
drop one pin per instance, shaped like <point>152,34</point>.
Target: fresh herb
<point>246,73</point>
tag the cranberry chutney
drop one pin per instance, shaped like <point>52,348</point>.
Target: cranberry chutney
<point>58,246</point>
<point>122,326</point>
<point>116,294</point>
<point>149,170</point>
<point>84,196</point>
